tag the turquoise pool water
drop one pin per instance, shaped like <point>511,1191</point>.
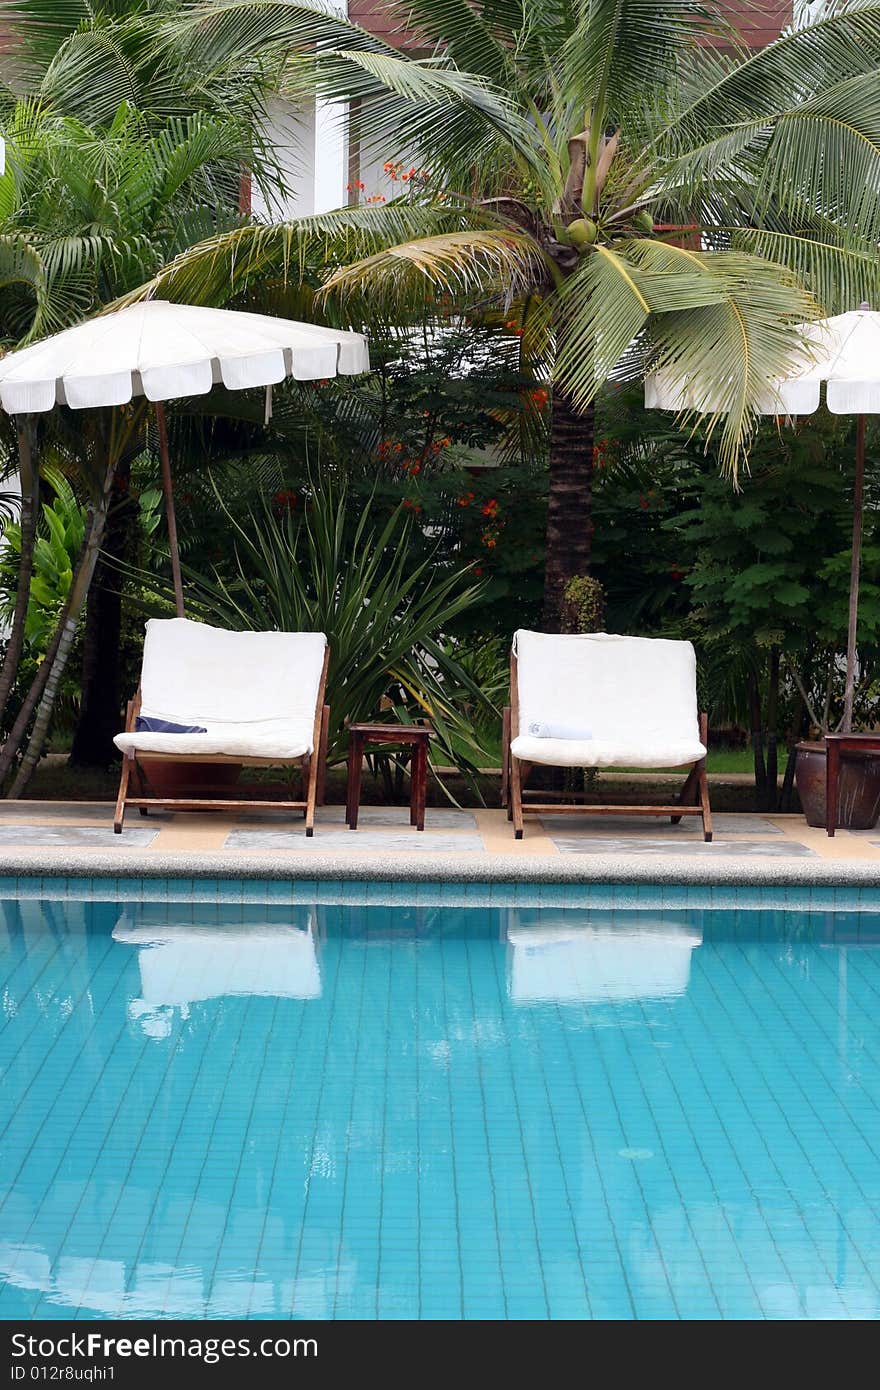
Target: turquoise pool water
<point>441,1108</point>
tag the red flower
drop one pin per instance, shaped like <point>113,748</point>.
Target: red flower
<point>491,508</point>
<point>284,500</point>
<point>539,397</point>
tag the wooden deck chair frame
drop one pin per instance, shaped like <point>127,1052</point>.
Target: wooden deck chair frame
<point>693,799</point>
<point>313,767</point>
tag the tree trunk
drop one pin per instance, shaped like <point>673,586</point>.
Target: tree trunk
<point>795,733</point>
<point>38,684</point>
<point>757,738</point>
<point>30,510</point>
<point>772,733</point>
<point>570,504</point>
<point>63,642</point>
<point>101,671</point>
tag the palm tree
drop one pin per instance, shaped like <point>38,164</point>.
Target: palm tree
<point>627,184</point>
<point>94,212</point>
<point>83,58</point>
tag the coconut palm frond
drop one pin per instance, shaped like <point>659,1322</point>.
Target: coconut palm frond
<point>467,265</point>
<point>728,351</point>
<point>838,275</point>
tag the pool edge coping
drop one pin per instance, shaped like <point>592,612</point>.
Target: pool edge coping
<point>414,867</point>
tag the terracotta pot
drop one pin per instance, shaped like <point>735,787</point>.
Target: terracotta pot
<point>179,779</point>
<point>858,801</point>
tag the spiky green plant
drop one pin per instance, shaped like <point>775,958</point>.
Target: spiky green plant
<point>333,569</point>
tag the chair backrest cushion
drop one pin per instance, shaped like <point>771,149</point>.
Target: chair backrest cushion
<point>197,674</point>
<point>618,688</point>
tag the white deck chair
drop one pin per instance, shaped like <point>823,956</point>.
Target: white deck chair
<point>633,698</point>
<point>259,696</point>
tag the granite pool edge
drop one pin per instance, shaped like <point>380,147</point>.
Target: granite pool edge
<point>420,868</point>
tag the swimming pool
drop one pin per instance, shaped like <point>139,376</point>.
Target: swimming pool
<point>427,1103</point>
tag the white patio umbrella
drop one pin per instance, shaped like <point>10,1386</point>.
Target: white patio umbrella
<point>161,350</point>
<point>842,352</point>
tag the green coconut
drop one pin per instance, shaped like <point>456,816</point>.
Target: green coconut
<point>582,233</point>
<point>644,221</point>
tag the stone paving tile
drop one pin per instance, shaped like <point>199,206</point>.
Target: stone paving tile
<point>647,826</point>
<point>356,841</point>
<point>75,836</point>
<point>742,849</point>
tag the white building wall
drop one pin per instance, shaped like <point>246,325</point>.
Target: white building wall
<point>311,146</point>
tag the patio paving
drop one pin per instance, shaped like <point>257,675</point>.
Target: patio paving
<point>637,844</point>
<point>75,838</point>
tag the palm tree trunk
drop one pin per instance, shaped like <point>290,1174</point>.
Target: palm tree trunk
<point>29,704</point>
<point>100,707</point>
<point>63,642</point>
<point>30,509</point>
<point>570,504</point>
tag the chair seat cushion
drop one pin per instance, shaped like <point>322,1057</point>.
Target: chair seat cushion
<point>285,740</point>
<point>637,697</point>
<point>591,752</point>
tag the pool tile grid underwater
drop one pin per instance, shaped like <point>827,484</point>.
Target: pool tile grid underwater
<point>479,1112</point>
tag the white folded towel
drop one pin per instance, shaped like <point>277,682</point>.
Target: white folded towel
<point>548,729</point>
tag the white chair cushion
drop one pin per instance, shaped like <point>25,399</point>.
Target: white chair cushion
<point>637,696</point>
<point>271,738</point>
<point>255,693</point>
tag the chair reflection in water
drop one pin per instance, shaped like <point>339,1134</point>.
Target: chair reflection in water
<point>193,962</point>
<point>605,958</point>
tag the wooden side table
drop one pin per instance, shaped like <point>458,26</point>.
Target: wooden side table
<point>414,736</point>
<point>835,744</point>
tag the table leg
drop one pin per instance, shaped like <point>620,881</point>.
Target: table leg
<point>355,764</point>
<point>418,780</point>
<point>832,773</point>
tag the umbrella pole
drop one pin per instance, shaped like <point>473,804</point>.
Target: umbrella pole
<point>169,508</point>
<point>854,576</point>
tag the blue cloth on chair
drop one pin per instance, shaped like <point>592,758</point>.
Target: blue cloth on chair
<point>146,725</point>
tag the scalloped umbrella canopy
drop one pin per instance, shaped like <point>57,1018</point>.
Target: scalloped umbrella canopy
<point>161,350</point>
<point>843,353</point>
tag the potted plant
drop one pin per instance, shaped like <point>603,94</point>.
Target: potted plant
<point>823,693</point>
